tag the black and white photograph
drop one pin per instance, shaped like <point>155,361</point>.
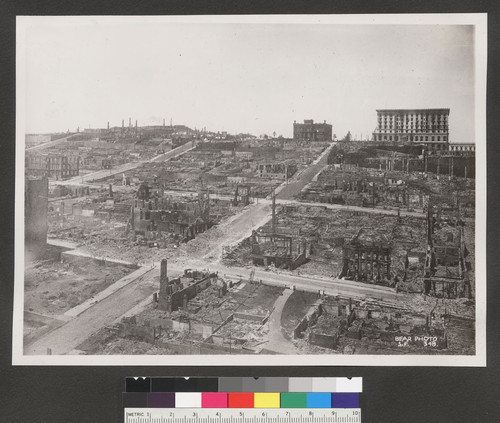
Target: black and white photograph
<point>251,190</point>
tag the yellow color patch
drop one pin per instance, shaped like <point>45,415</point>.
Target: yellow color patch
<point>266,400</point>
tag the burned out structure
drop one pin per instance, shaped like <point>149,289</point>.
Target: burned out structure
<point>273,248</point>
<point>404,157</point>
<point>154,214</point>
<point>345,186</point>
<point>279,250</point>
<point>447,267</point>
<point>337,243</point>
<point>375,327</point>
<point>378,176</point>
<point>310,131</point>
<point>53,165</point>
<point>176,293</point>
<point>276,170</point>
<point>367,257</point>
<point>200,312</point>
<point>242,194</point>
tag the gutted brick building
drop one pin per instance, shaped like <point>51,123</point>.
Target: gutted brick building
<point>310,131</point>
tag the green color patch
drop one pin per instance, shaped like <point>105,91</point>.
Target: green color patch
<point>293,400</point>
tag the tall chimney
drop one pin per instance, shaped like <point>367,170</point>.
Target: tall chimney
<point>123,123</point>
<point>108,124</point>
<point>163,122</point>
<point>132,224</point>
<point>129,122</point>
<point>163,271</point>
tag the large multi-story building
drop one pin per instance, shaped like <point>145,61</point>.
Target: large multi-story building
<point>310,131</point>
<point>418,126</point>
<point>53,165</point>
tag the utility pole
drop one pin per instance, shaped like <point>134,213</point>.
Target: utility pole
<point>273,221</point>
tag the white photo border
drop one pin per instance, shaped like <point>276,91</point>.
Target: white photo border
<point>478,20</point>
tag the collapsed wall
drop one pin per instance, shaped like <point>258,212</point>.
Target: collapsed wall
<point>176,293</point>
<point>335,323</point>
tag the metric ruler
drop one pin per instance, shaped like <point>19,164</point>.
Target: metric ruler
<point>242,415</point>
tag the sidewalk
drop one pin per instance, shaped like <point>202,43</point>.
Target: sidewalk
<point>79,309</point>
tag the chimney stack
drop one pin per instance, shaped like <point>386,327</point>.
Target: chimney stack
<point>163,271</point>
<point>129,122</point>
<point>108,124</point>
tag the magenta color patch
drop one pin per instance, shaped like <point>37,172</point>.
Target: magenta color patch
<point>214,400</point>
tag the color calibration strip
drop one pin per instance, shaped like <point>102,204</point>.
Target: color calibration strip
<point>242,393</point>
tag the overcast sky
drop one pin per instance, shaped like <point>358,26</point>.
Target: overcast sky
<point>249,77</point>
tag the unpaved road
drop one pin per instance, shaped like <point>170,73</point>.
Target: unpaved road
<point>277,342</point>
<point>295,186</point>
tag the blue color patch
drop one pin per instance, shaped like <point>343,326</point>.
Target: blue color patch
<point>319,400</point>
<point>345,400</point>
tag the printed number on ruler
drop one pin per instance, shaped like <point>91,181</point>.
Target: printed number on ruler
<point>243,415</point>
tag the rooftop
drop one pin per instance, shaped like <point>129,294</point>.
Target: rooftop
<point>413,110</point>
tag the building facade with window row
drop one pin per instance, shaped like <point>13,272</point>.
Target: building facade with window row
<point>310,131</point>
<point>419,126</point>
<point>463,148</point>
<point>53,165</point>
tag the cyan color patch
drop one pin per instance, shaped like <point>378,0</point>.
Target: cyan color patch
<point>319,400</point>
